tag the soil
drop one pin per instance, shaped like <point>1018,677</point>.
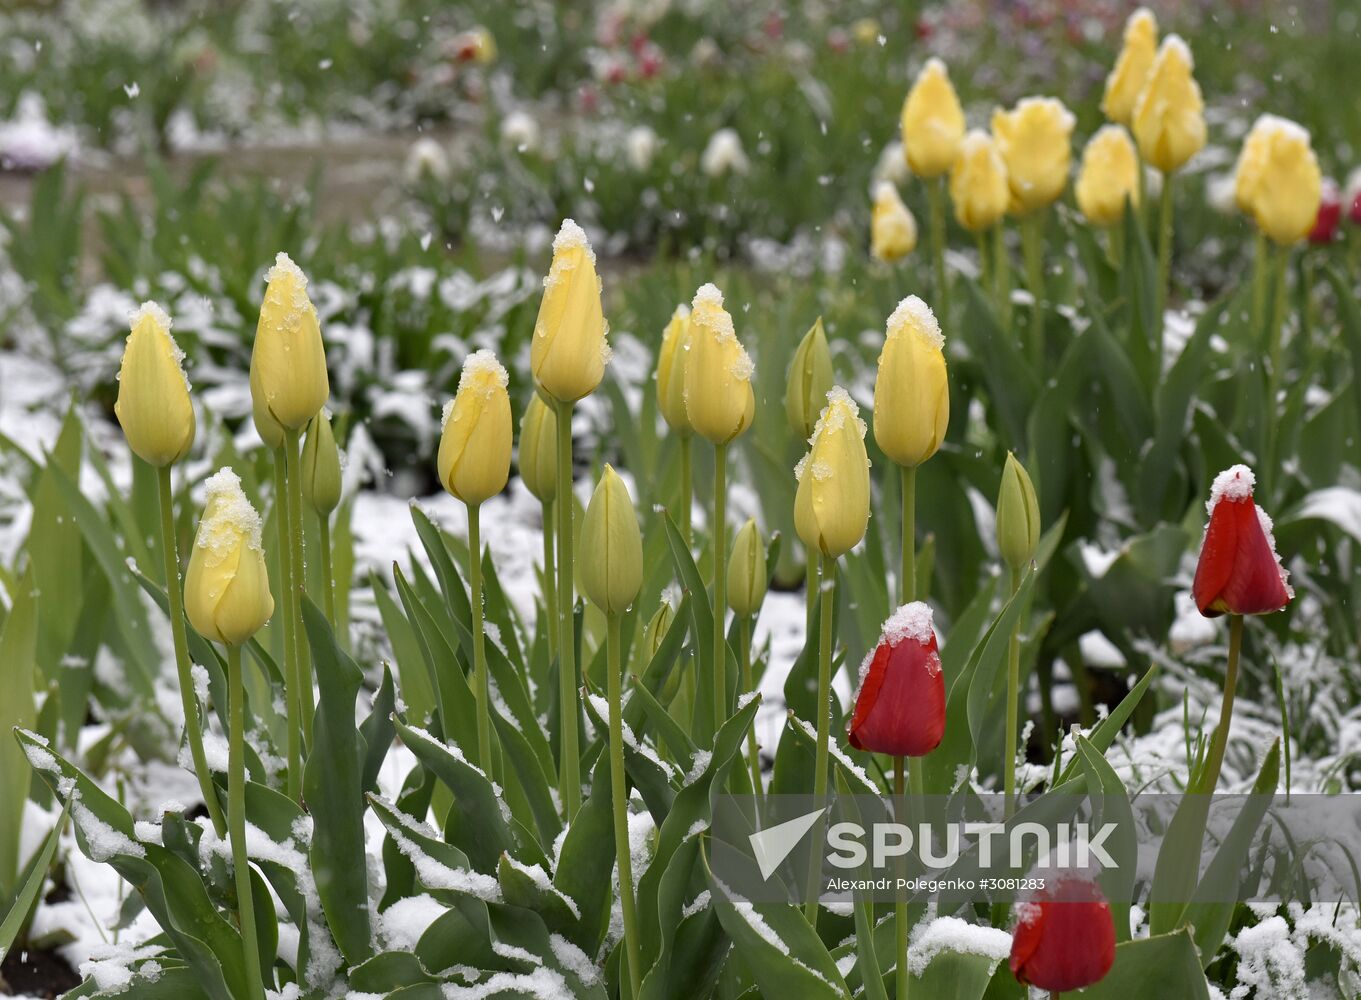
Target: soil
<point>36,973</point>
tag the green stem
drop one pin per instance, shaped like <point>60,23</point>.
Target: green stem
<point>193,721</point>
<point>937,193</point>
<point>1032,249</point>
<point>720,533</point>
<point>1164,260</point>
<point>550,582</point>
<point>291,445</point>
<point>292,672</point>
<point>1013,707</point>
<point>1001,275</point>
<point>744,660</point>
<point>907,580</point>
<point>569,774</point>
<point>236,807</point>
<point>620,803</point>
<point>902,977</point>
<point>827,604</point>
<point>1259,267</point>
<point>481,685</point>
<point>1220,740</point>
<point>984,265</point>
<point>1115,244</point>
<point>328,576</point>
<point>687,497</point>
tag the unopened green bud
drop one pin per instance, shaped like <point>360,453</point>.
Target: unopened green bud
<point>747,574</point>
<point>1018,516</point>
<point>611,557</point>
<point>538,449</point>
<point>321,466</point>
<point>657,628</point>
<point>810,378</point>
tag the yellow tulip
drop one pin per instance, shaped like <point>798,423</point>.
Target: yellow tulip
<point>288,363</point>
<point>932,122</point>
<point>893,230</point>
<point>718,397</point>
<point>978,183</point>
<point>1278,181</point>
<point>810,377</point>
<point>569,352</point>
<point>747,572</point>
<point>539,449</point>
<point>671,364</point>
<point>321,466</point>
<point>474,447</point>
<point>611,547</point>
<point>226,589</point>
<point>1126,81</point>
<point>1109,175</point>
<point>1018,516</point>
<point>153,404</point>
<point>911,390</point>
<point>1169,117</point>
<point>832,503</point>
<point>1035,140</point>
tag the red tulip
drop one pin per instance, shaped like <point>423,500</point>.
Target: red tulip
<point>1329,214</point>
<point>1064,937</point>
<point>900,709</point>
<point>1239,572</point>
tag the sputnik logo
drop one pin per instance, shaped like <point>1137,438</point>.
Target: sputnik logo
<point>773,845</point>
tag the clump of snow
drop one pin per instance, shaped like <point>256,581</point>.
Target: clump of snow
<point>951,934</point>
<point>572,237</point>
<point>483,373</point>
<point>1174,44</point>
<point>161,323</point>
<point>200,675</point>
<point>911,621</point>
<point>539,877</point>
<point>229,516</point>
<point>839,408</point>
<point>916,316</point>
<point>1234,484</point>
<point>284,267</point>
<point>1269,961</point>
<point>102,840</point>
<point>573,959</point>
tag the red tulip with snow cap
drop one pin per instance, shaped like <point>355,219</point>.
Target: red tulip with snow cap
<point>1064,937</point>
<point>900,708</point>
<point>1239,572</point>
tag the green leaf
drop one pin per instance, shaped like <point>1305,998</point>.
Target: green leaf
<point>1162,966</point>
<point>18,653</point>
<point>1111,805</point>
<point>28,893</point>
<point>586,861</point>
<point>417,690</point>
<point>378,731</point>
<point>954,975</point>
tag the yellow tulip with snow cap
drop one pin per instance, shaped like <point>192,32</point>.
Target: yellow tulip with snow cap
<point>671,364</point>
<point>475,444</point>
<point>893,230</point>
<point>288,362</point>
<point>718,395</point>
<point>226,589</point>
<point>932,122</point>
<point>911,390</point>
<point>1169,116</point>
<point>1035,140</point>
<point>568,352</point>
<point>153,404</point>
<point>1278,181</point>
<point>978,183</point>
<point>832,503</point>
<point>1126,80</point>
<point>1108,176</point>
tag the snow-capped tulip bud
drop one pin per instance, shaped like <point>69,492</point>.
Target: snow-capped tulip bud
<point>832,503</point>
<point>1064,937</point>
<point>718,396</point>
<point>1278,181</point>
<point>1239,572</point>
<point>672,361</point>
<point>1169,116</point>
<point>810,378</point>
<point>1329,216</point>
<point>1018,516</point>
<point>1035,140</point>
<point>978,183</point>
<point>539,449</point>
<point>153,404</point>
<point>611,557</point>
<point>288,362</point>
<point>747,572</point>
<point>911,390</point>
<point>893,230</point>
<point>475,445</point>
<point>321,466</point>
<point>1108,176</point>
<point>569,351</point>
<point>932,121</point>
<point>226,589</point>
<point>900,707</point>
<point>1126,79</point>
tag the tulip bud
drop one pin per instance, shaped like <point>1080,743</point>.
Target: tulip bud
<point>656,630</point>
<point>911,391</point>
<point>672,361</point>
<point>1169,117</point>
<point>475,444</point>
<point>718,397</point>
<point>1329,216</point>
<point>1108,177</point>
<point>978,183</point>
<point>611,558</point>
<point>933,121</point>
<point>1126,81</point>
<point>569,352</point>
<point>539,449</point>
<point>893,230</point>
<point>1034,139</point>
<point>321,466</point>
<point>226,589</point>
<point>288,363</point>
<point>747,573</point>
<point>810,378</point>
<point>832,503</point>
<point>900,707</point>
<point>270,430</point>
<point>1018,516</point>
<point>1277,180</point>
<point>1065,936</point>
<point>153,404</point>
<point>1239,572</point>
